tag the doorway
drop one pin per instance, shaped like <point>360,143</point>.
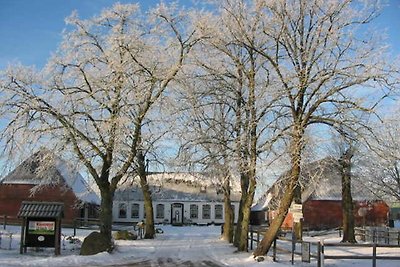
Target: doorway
<point>177,214</point>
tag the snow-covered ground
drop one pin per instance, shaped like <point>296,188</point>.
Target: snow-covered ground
<point>183,246</point>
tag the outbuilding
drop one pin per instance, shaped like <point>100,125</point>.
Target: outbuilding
<point>322,199</point>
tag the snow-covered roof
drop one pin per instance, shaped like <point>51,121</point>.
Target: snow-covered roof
<point>176,186</point>
<point>319,180</point>
<point>45,168</point>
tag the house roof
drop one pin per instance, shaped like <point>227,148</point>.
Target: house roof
<point>176,187</point>
<point>41,210</point>
<point>319,180</point>
<point>45,168</point>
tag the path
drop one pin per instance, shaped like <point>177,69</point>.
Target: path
<point>168,262</point>
<point>181,246</point>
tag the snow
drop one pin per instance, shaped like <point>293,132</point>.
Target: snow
<point>77,183</point>
<point>180,245</point>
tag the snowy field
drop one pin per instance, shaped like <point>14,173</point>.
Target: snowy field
<point>177,246</point>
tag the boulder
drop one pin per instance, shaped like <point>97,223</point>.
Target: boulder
<point>94,243</point>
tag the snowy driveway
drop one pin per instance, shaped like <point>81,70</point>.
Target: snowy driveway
<point>171,263</point>
<point>180,246</point>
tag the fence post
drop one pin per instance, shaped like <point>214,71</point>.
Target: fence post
<point>74,227</point>
<point>319,254</point>
<point>388,236</point>
<point>374,255</point>
<point>322,253</point>
<point>293,247</point>
<point>251,239</point>
<point>374,236</point>
<point>398,238</point>
<point>274,251</point>
<point>4,222</point>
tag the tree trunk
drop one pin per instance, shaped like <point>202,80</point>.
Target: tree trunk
<point>227,233</point>
<point>276,223</point>
<point>347,200</point>
<point>297,226</point>
<point>106,206</point>
<point>287,197</point>
<point>238,228</point>
<point>148,202</point>
<point>242,227</point>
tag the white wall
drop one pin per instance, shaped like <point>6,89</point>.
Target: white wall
<point>167,211</point>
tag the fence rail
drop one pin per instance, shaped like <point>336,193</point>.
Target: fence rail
<point>7,220</point>
<point>84,223</point>
<point>317,250</point>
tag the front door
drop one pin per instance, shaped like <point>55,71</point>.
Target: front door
<point>177,214</point>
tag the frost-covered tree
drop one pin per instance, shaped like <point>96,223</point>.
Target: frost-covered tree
<point>93,98</point>
<point>380,163</point>
<point>231,98</point>
<point>327,67</point>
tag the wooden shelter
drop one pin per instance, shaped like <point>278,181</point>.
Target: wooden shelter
<point>41,225</point>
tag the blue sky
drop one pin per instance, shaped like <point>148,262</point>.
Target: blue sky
<point>30,30</point>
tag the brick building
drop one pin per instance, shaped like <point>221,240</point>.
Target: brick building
<point>321,199</point>
<point>45,177</point>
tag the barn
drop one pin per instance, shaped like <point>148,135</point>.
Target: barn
<point>178,198</point>
<point>46,177</point>
<point>321,199</point>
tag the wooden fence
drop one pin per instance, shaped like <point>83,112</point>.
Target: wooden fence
<point>7,220</point>
<point>379,235</point>
<point>4,221</point>
<point>318,250</point>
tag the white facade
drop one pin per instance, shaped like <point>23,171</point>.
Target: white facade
<point>173,212</point>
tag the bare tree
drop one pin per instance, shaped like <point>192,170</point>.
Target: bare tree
<point>325,65</point>
<point>94,96</point>
<point>380,163</point>
<point>232,97</point>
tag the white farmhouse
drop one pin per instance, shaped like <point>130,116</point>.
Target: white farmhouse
<point>178,198</point>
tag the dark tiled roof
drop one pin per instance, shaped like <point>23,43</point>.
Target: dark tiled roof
<point>41,209</point>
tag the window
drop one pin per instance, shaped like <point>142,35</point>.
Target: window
<point>135,211</point>
<point>122,210</point>
<point>218,211</point>
<point>206,211</point>
<point>194,211</point>
<point>160,211</point>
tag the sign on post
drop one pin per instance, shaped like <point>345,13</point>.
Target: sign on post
<point>297,212</point>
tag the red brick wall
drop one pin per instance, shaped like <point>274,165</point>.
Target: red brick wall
<point>327,214</point>
<point>11,196</point>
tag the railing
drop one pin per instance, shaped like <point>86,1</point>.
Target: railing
<point>378,235</point>
<point>372,257</point>
<point>317,250</point>
<point>85,223</point>
<point>4,221</point>
<point>7,220</point>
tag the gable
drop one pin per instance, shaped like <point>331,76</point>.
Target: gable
<point>44,168</point>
